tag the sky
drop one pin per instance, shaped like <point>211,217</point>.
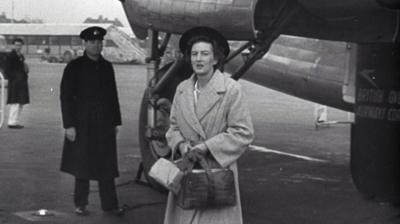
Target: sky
<point>64,11</point>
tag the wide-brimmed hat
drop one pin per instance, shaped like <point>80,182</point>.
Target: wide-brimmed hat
<point>93,33</point>
<point>204,31</point>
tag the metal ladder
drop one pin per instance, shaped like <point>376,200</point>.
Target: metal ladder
<point>2,99</point>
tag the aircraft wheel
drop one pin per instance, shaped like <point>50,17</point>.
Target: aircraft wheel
<point>154,148</point>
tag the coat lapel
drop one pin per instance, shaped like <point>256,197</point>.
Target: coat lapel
<point>188,112</point>
<point>210,95</point>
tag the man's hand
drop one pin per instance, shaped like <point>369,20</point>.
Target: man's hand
<point>70,134</point>
<point>26,68</point>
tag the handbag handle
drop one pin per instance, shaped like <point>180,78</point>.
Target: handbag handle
<point>203,164</point>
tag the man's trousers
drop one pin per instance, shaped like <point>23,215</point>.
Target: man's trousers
<point>107,192</point>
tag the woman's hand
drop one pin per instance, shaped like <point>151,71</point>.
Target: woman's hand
<point>70,134</point>
<point>183,148</point>
<point>191,155</point>
<point>197,152</point>
<point>200,148</point>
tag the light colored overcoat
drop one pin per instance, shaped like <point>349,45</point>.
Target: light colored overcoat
<point>221,120</point>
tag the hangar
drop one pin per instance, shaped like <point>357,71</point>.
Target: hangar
<point>61,42</point>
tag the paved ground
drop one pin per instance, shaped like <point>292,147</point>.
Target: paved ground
<point>275,188</point>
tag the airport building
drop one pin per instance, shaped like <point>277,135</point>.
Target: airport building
<point>61,42</point>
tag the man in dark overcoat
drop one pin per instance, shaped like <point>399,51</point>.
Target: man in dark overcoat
<point>18,92</point>
<point>91,116</point>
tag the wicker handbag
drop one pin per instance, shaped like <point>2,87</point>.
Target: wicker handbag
<point>201,188</point>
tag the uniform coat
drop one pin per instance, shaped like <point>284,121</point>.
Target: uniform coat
<point>222,121</point>
<point>89,102</point>
<point>17,75</point>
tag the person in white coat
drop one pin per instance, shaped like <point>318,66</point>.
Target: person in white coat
<point>209,116</point>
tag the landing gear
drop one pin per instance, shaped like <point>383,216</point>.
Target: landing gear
<point>155,108</point>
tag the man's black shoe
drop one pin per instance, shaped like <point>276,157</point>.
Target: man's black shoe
<point>82,211</point>
<point>16,126</point>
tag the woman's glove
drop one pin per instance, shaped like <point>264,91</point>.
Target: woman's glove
<point>195,155</point>
<point>185,164</point>
<point>192,155</point>
<point>189,159</point>
<point>198,152</point>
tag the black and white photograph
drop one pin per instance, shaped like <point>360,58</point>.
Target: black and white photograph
<point>200,112</point>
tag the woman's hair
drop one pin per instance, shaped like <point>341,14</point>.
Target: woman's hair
<point>218,53</point>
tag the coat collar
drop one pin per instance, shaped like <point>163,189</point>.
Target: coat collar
<point>14,53</point>
<point>211,94</point>
<point>216,84</point>
<point>101,59</point>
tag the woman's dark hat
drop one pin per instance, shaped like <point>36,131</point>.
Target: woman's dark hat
<point>93,33</point>
<point>204,31</point>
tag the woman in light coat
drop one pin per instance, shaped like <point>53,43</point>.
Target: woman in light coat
<point>209,117</point>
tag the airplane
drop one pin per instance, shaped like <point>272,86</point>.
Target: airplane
<point>342,53</point>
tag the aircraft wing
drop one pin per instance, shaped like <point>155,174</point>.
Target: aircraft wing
<point>317,70</point>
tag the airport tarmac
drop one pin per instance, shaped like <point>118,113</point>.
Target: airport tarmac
<point>293,174</point>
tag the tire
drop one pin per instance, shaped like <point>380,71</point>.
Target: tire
<point>148,148</point>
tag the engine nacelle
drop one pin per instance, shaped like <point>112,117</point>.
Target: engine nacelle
<point>233,18</point>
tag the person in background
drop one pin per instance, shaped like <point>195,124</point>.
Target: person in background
<point>18,91</point>
<point>209,119</point>
<point>91,117</point>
